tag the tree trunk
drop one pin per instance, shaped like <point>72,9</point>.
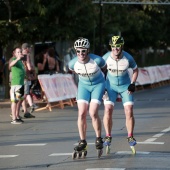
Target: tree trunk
<point>8,55</point>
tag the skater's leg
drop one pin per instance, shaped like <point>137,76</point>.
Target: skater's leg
<point>96,121</point>
<point>81,122</point>
<point>130,121</point>
<point>107,119</point>
<point>107,122</point>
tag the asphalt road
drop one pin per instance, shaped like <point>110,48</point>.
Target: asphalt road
<point>47,141</point>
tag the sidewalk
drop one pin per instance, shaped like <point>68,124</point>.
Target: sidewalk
<point>6,103</point>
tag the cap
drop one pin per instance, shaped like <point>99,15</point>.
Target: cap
<point>25,45</point>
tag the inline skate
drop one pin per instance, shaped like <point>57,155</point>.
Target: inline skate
<point>80,151</point>
<point>107,143</point>
<point>132,143</point>
<point>99,146</point>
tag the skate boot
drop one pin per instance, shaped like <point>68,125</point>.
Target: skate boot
<point>80,151</point>
<point>99,146</point>
<point>107,143</point>
<point>132,143</point>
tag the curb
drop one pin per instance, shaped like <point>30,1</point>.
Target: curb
<point>6,103</point>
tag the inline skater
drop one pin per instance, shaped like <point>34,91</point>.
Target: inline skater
<point>119,83</point>
<point>91,87</point>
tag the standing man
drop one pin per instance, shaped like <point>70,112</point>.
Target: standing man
<point>27,82</point>
<point>17,84</point>
<point>91,87</point>
<point>118,82</point>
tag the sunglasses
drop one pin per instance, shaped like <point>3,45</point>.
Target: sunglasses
<point>116,46</point>
<point>81,51</point>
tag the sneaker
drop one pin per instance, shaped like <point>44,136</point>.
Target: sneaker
<point>20,120</point>
<point>28,115</point>
<point>20,117</point>
<point>16,122</point>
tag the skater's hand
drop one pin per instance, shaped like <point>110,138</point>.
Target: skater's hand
<point>105,96</point>
<point>131,88</point>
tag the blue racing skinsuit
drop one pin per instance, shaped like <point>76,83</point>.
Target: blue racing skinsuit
<point>117,79</point>
<point>91,84</point>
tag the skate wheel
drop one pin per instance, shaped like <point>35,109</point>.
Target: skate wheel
<point>83,155</point>
<point>78,155</point>
<point>107,150</point>
<point>133,150</point>
<point>74,155</point>
<point>99,153</point>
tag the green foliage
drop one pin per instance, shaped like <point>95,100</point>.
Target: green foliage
<point>142,26</point>
<point>41,20</point>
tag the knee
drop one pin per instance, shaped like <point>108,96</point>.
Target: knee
<point>108,111</point>
<point>82,115</point>
<point>94,115</point>
<point>129,113</point>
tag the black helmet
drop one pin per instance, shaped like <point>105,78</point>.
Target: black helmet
<point>116,40</point>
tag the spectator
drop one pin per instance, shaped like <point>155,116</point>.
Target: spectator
<point>17,84</point>
<point>40,61</point>
<point>52,61</point>
<point>47,63</point>
<point>27,82</point>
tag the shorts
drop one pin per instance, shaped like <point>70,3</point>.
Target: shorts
<point>27,86</point>
<point>92,93</point>
<point>17,93</point>
<point>114,90</point>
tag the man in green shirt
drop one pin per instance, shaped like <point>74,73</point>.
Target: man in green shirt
<point>17,85</point>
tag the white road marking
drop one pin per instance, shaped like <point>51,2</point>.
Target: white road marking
<point>155,143</point>
<point>60,154</point>
<point>166,130</point>
<point>106,169</point>
<point>130,153</point>
<point>150,140</point>
<point>158,135</point>
<point>8,156</point>
<point>33,144</point>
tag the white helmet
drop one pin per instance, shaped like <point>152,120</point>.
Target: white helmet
<point>82,43</point>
